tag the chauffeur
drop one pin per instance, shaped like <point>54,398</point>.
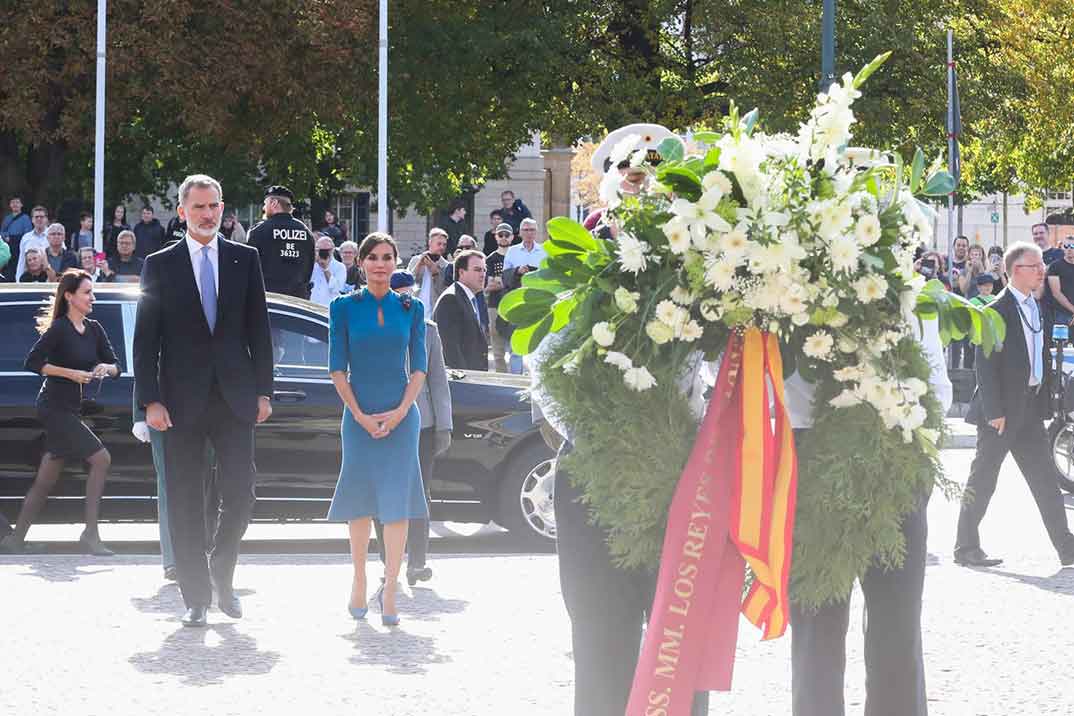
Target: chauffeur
<point>285,246</point>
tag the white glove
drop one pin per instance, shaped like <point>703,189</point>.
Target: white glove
<point>141,431</point>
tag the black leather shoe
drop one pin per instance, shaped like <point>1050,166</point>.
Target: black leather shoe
<point>976,558</point>
<point>227,602</point>
<point>91,544</point>
<point>171,574</point>
<point>418,574</point>
<point>1066,555</point>
<point>196,617</point>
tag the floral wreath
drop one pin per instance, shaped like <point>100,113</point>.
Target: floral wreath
<point>800,236</point>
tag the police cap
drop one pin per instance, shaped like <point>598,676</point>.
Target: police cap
<point>281,191</point>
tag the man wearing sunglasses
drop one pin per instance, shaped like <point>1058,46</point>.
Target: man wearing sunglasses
<point>1060,289</point>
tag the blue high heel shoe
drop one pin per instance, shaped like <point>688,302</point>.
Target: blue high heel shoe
<point>389,620</point>
<point>358,613</point>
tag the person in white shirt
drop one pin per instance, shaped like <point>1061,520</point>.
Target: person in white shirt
<point>429,267</point>
<point>525,257</point>
<point>34,239</point>
<point>329,276</point>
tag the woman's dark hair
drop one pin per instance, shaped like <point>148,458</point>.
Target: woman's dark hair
<point>371,242</point>
<point>119,206</point>
<point>70,281</point>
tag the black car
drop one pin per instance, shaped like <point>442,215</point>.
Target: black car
<point>498,468</point>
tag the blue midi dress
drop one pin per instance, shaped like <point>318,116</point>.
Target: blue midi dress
<point>379,478</point>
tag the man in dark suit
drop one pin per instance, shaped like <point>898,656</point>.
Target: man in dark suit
<point>1008,408</point>
<point>203,372</point>
<point>458,315</point>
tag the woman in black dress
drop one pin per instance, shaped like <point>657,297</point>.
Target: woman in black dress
<point>72,351</point>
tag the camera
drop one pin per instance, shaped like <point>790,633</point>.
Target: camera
<point>324,253</point>
<point>928,267</point>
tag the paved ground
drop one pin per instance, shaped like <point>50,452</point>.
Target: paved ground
<point>100,636</point>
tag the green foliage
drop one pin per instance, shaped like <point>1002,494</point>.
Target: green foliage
<point>958,318</point>
<point>856,483</point>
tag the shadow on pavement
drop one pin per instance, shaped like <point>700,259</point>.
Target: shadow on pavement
<point>200,661</point>
<point>397,650</point>
<point>1062,582</point>
<point>63,570</point>
<point>425,605</point>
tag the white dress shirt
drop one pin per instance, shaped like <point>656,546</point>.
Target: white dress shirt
<point>1030,317</point>
<point>30,240</point>
<point>326,289</point>
<point>194,247</point>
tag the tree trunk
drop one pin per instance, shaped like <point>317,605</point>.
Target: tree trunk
<point>44,176</point>
<point>11,173</point>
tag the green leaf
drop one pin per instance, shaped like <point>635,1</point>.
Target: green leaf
<point>865,72</point>
<point>712,158</point>
<point>683,181</point>
<point>524,306</point>
<point>525,340</point>
<point>671,149</point>
<point>569,233</point>
<point>707,137</point>
<point>916,168</point>
<point>939,184</point>
<point>562,312</point>
<point>544,280</point>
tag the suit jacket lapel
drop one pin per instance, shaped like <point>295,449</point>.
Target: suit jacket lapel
<point>1016,319</point>
<point>467,307</point>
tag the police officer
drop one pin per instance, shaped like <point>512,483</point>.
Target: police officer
<point>285,246</point>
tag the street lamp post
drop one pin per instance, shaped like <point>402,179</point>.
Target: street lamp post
<point>827,50</point>
<point>382,123</point>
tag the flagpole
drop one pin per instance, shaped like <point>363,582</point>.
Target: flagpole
<point>382,124</point>
<point>950,139</point>
<point>98,149</point>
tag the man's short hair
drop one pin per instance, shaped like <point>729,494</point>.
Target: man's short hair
<point>961,238</point>
<point>505,192</point>
<point>13,197</point>
<point>348,244</point>
<point>462,260</point>
<point>55,227</point>
<point>1046,227</point>
<point>147,208</point>
<point>202,181</point>
<point>469,239</point>
<point>324,237</point>
<point>1016,251</point>
<point>84,215</point>
<point>496,212</point>
<point>527,222</point>
<point>126,232</point>
<point>456,205</point>
<point>435,231</point>
<point>38,208</point>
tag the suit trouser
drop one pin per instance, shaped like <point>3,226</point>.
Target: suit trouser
<point>417,531</point>
<point>1028,442</point>
<point>185,463</point>
<point>167,554</point>
<point>499,341</point>
<point>608,608</point>
<point>894,664</point>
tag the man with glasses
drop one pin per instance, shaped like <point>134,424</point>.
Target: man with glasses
<point>1009,407</point>
<point>35,238</point>
<point>499,329</point>
<point>1043,239</point>
<point>1060,290</point>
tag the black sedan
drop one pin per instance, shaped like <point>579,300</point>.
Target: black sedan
<point>498,468</point>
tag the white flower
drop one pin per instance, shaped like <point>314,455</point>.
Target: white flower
<point>847,346</point>
<point>603,334</point>
<point>623,148</point>
<point>833,217</point>
<point>639,378</point>
<point>819,345</point>
<point>711,310</point>
<point>868,230</point>
<point>691,331</point>
<point>844,253</point>
<point>838,320</point>
<point>609,188</point>
<point>626,301</point>
<point>682,296</point>
<point>677,231</point>
<point>718,180</point>
<point>570,366</point>
<point>671,315</point>
<point>633,253</point>
<point>870,288</point>
<point>720,274</point>
<point>619,360</point>
<point>735,242</point>
<point>845,399</point>
<point>764,297</point>
<point>659,332</point>
<point>800,319</point>
<point>792,302</point>
<point>742,158</point>
<point>916,387</point>
<point>849,374</point>
<point>701,216</point>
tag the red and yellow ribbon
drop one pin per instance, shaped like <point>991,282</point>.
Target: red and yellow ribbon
<point>734,504</point>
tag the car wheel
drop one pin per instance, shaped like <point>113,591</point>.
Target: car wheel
<point>1061,438</point>
<point>526,491</point>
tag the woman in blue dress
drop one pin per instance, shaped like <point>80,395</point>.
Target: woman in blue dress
<point>379,337</point>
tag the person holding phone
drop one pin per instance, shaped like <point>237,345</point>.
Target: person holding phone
<point>995,267</point>
<point>329,276</point>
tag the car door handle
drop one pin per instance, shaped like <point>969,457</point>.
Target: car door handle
<point>289,396</point>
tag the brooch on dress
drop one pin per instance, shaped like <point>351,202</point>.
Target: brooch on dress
<point>404,298</point>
